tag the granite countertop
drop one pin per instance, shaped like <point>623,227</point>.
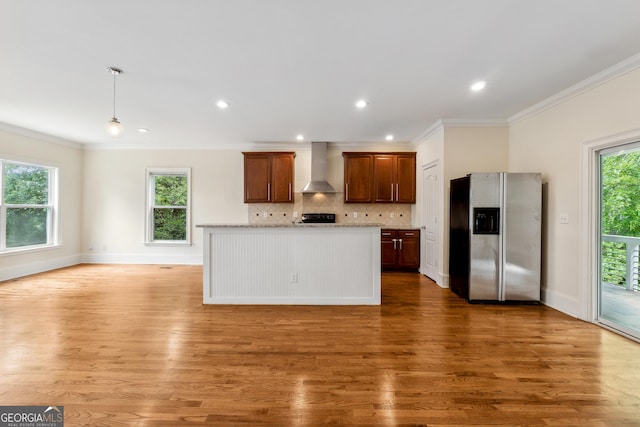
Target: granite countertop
<point>296,225</point>
<point>400,227</point>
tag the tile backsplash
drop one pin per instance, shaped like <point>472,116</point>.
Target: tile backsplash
<point>387,214</point>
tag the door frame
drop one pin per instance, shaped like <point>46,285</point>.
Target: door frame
<point>590,222</point>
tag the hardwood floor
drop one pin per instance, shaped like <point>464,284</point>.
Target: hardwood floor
<point>134,346</point>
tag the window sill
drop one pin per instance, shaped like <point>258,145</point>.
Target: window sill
<point>167,243</point>
<point>29,249</point>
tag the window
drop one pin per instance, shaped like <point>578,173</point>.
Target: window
<point>168,206</point>
<point>27,207</point>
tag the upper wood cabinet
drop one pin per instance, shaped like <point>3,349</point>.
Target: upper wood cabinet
<point>380,177</point>
<point>268,177</point>
<point>358,177</point>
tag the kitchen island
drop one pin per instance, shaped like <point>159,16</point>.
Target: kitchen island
<point>314,264</point>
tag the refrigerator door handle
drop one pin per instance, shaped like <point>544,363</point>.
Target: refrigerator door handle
<point>502,238</point>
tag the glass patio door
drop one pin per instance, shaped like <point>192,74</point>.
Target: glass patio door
<point>619,290</point>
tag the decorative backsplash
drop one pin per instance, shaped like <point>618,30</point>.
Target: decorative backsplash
<point>387,214</point>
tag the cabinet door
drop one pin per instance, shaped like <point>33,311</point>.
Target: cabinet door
<point>282,178</point>
<point>257,175</point>
<point>358,170</point>
<point>384,178</point>
<point>405,178</point>
<point>388,249</point>
<point>409,249</point>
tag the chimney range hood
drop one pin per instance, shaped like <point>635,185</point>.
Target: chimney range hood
<point>318,183</point>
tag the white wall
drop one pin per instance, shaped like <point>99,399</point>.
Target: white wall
<point>26,146</point>
<point>459,150</point>
<point>471,149</point>
<point>114,202</point>
<point>551,142</point>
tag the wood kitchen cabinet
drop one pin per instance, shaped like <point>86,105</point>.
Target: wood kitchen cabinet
<point>400,249</point>
<point>379,177</point>
<point>268,177</point>
<point>358,177</point>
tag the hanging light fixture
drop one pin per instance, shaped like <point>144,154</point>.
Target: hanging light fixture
<point>114,127</point>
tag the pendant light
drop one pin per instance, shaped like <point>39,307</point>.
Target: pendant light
<point>114,127</point>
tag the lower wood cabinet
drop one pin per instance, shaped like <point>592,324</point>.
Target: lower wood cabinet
<point>400,249</point>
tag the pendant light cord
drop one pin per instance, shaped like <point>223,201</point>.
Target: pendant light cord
<point>114,94</point>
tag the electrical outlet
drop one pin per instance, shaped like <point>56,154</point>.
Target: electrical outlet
<point>392,215</point>
<point>294,278</point>
<point>355,214</point>
<point>295,214</point>
<point>564,218</point>
<point>264,214</point>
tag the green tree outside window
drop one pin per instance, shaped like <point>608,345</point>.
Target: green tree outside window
<point>620,210</point>
<point>26,198</point>
<point>170,207</point>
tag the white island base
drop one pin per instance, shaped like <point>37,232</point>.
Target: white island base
<point>301,264</point>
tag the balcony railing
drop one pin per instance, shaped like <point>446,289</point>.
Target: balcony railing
<point>620,256</point>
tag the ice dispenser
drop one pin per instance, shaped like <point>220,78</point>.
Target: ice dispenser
<point>486,220</point>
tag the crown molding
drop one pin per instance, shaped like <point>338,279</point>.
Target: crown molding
<point>29,133</point>
<point>467,123</point>
<point>255,146</point>
<point>435,127</point>
<point>445,123</point>
<point>250,146</point>
<point>586,85</point>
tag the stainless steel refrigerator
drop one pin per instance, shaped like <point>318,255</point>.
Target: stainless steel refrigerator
<point>495,243</point>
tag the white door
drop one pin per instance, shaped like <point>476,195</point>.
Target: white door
<point>430,227</point>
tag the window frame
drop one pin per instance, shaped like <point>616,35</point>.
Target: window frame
<point>151,173</point>
<point>51,206</point>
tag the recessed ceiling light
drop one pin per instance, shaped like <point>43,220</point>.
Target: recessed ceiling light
<point>361,103</point>
<point>389,137</point>
<point>143,130</point>
<point>300,137</point>
<point>478,86</point>
<point>222,104</point>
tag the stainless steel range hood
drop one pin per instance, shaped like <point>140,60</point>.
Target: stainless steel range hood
<point>318,183</point>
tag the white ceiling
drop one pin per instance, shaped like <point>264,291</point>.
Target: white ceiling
<point>294,66</point>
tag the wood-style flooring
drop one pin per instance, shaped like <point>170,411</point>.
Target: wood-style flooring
<point>132,345</point>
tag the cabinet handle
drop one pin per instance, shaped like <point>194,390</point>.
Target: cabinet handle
<point>395,241</point>
<point>400,244</point>
<point>289,191</point>
<point>397,193</point>
<point>346,195</point>
<point>386,234</point>
<point>408,234</point>
<point>268,191</point>
<point>392,192</point>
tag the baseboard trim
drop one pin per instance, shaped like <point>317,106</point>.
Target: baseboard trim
<point>444,281</point>
<point>38,267</point>
<point>560,302</point>
<point>141,259</point>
